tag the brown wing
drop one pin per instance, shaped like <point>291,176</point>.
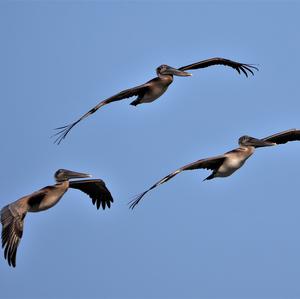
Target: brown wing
<point>96,190</point>
<point>284,137</point>
<point>221,61</point>
<point>12,217</point>
<point>209,163</point>
<point>138,91</point>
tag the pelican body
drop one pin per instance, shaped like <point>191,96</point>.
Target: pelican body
<point>233,161</point>
<point>153,89</point>
<point>159,85</point>
<point>12,215</point>
<point>226,164</point>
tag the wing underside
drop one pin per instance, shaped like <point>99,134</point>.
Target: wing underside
<point>96,190</point>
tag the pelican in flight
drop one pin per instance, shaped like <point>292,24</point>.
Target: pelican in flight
<point>12,215</point>
<point>153,89</point>
<point>226,164</point>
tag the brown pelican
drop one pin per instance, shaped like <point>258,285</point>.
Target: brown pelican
<point>153,89</point>
<point>226,164</point>
<point>12,215</point>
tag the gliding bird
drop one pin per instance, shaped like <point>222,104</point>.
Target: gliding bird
<point>153,89</point>
<point>226,164</point>
<point>12,215</point>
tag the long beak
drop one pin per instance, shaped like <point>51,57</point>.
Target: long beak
<point>176,72</point>
<point>76,175</point>
<point>261,143</point>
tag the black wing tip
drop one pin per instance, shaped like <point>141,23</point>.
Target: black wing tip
<point>10,252</point>
<point>63,132</point>
<point>104,202</point>
<point>11,262</point>
<point>244,67</point>
<point>133,203</point>
<point>60,135</point>
<point>253,66</point>
<point>60,128</point>
<point>108,199</point>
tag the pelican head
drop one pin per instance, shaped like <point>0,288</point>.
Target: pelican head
<point>62,175</point>
<point>251,141</point>
<point>168,70</point>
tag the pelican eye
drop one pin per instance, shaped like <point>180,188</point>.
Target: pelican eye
<point>58,172</point>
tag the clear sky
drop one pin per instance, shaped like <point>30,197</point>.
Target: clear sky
<point>236,237</point>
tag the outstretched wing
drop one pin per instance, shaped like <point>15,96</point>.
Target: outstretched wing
<point>96,190</point>
<point>209,163</point>
<point>221,61</point>
<point>284,137</point>
<point>12,217</point>
<point>138,91</point>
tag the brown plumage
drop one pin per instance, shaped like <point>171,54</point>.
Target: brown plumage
<point>153,89</point>
<point>226,164</point>
<point>12,215</point>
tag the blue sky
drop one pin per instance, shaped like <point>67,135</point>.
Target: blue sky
<point>236,237</point>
